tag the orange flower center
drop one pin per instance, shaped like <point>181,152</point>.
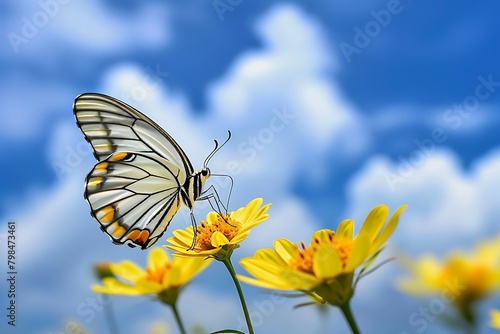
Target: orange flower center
<point>472,277</point>
<point>156,274</point>
<point>224,224</point>
<point>304,260</point>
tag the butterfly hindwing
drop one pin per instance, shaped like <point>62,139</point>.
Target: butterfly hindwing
<point>134,196</point>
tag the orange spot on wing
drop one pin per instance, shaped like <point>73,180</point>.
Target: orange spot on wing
<point>119,232</point>
<point>95,182</point>
<point>143,237</point>
<point>119,156</point>
<point>101,168</point>
<point>138,237</point>
<point>106,215</point>
<point>133,235</point>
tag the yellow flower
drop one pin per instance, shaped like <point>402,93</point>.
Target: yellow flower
<point>462,279</point>
<point>219,234</point>
<point>495,319</point>
<point>162,277</point>
<point>325,268</point>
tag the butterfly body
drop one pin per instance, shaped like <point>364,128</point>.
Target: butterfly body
<point>142,177</point>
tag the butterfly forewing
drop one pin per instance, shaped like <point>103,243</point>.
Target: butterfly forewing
<point>135,189</point>
<point>111,126</point>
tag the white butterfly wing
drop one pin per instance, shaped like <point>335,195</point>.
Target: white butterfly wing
<point>134,190</point>
<point>110,126</point>
<point>133,196</point>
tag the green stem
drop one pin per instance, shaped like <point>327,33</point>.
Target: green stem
<point>178,318</point>
<point>229,266</point>
<point>346,310</point>
<point>110,316</point>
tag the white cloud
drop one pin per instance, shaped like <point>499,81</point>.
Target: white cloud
<point>146,89</point>
<point>289,71</point>
<point>90,26</point>
<point>448,208</point>
<point>111,31</point>
<point>51,31</point>
<point>24,118</point>
<point>444,200</point>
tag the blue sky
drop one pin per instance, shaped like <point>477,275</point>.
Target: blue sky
<point>408,117</point>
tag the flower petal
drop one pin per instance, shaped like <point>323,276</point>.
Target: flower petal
<point>212,218</point>
<point>299,280</point>
<point>243,215</point>
<point>278,275</point>
<point>148,287</point>
<point>127,270</point>
<point>190,267</point>
<point>286,249</point>
<point>326,262</point>
<point>218,239</point>
<point>177,242</point>
<point>250,224</point>
<point>427,276</point>
<point>495,319</point>
<point>270,256</point>
<point>264,284</point>
<point>251,215</point>
<point>386,233</point>
<point>346,229</point>
<point>172,277</point>
<point>187,253</point>
<point>184,236</point>
<point>178,248</point>
<point>239,237</point>
<point>359,253</point>
<point>322,236</point>
<point>374,222</point>
<point>157,258</point>
<point>113,287</point>
<point>261,269</point>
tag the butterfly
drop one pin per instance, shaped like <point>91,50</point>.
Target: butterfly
<point>142,176</point>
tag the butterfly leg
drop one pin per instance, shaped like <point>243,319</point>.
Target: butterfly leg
<point>195,232</point>
<point>208,199</point>
<point>215,195</point>
<point>230,189</point>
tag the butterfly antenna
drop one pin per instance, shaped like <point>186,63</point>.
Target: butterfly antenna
<point>216,149</point>
<point>230,192</point>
